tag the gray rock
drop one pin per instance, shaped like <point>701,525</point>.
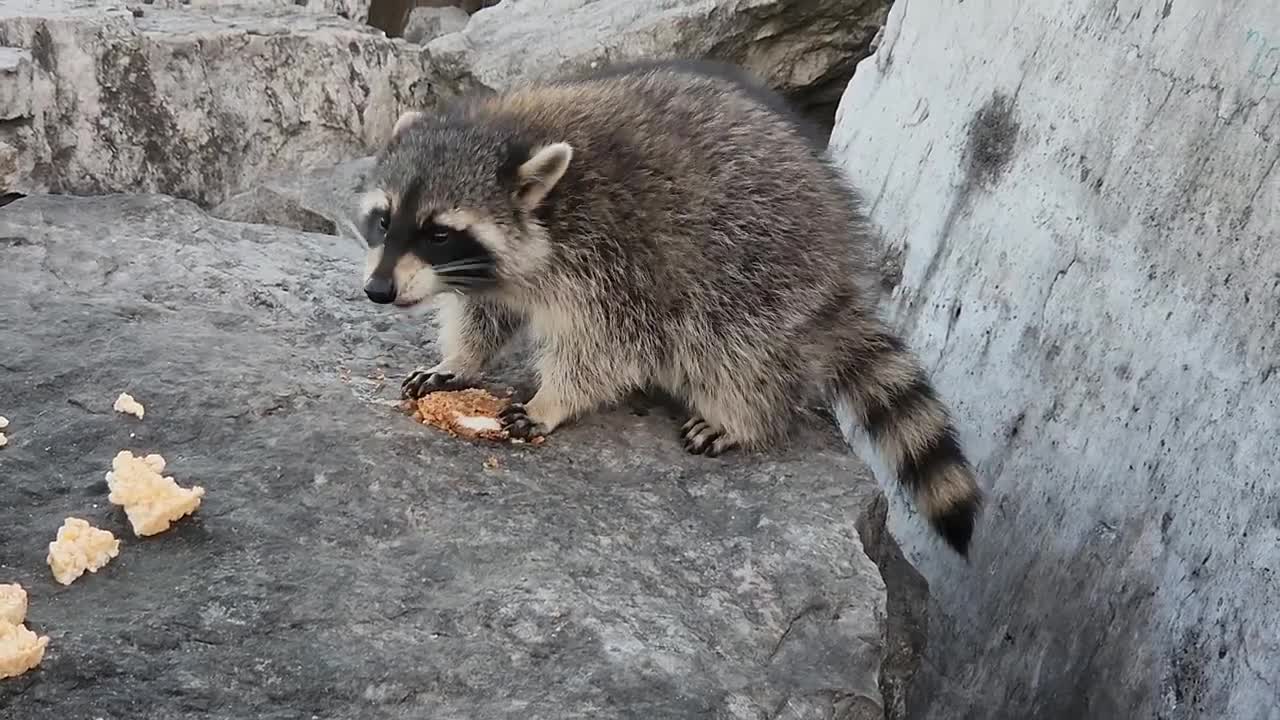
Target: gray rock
<point>348,562</point>
<point>1088,222</point>
<point>357,10</point>
<point>15,109</point>
<point>428,23</point>
<point>15,84</point>
<point>198,104</point>
<point>321,200</point>
<point>805,49</point>
<point>206,100</point>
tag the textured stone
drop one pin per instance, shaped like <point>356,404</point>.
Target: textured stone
<point>199,104</point>
<point>347,562</point>
<point>806,49</point>
<point>15,84</point>
<point>320,200</point>
<point>1084,197</point>
<point>428,23</point>
<point>357,10</point>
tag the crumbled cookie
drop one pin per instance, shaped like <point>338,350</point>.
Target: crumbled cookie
<point>126,404</point>
<point>13,604</point>
<point>80,547</point>
<point>471,413</point>
<point>151,500</point>
<point>20,649</point>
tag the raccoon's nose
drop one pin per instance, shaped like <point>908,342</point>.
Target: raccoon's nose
<point>380,290</point>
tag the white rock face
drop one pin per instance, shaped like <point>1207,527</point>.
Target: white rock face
<point>1084,196</point>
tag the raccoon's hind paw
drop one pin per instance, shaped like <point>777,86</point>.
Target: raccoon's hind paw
<point>425,381</point>
<point>517,423</point>
<point>700,438</point>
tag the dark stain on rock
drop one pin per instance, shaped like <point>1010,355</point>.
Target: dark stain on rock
<point>1186,680</point>
<point>1168,8</point>
<point>135,116</point>
<point>43,50</point>
<point>992,139</point>
<point>993,135</point>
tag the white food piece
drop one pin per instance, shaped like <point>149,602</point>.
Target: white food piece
<point>151,500</point>
<point>479,423</point>
<point>4,422</point>
<point>13,604</point>
<point>126,404</point>
<point>80,547</point>
<point>20,649</point>
<point>3,440</point>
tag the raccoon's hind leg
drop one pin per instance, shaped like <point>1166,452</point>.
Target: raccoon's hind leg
<point>471,334</point>
<point>737,409</point>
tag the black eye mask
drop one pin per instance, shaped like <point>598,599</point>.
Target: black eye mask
<point>459,260</point>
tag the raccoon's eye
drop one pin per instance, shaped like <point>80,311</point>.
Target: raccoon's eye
<point>383,221</point>
<point>438,235</point>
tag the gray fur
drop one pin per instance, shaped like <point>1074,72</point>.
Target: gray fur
<point>698,242</point>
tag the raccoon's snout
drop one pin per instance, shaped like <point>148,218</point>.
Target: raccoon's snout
<point>381,290</point>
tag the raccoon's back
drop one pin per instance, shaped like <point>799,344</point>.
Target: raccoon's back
<point>684,177</point>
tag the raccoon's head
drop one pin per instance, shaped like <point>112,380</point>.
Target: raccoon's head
<point>453,206</point>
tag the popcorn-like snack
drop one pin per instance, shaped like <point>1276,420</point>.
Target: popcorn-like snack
<point>3,440</point>
<point>4,422</point>
<point>126,404</point>
<point>13,604</point>
<point>470,413</point>
<point>80,547</point>
<point>20,649</point>
<point>151,500</point>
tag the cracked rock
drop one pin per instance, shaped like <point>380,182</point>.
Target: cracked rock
<point>805,49</point>
<point>349,562</point>
<point>198,103</point>
<point>204,100</point>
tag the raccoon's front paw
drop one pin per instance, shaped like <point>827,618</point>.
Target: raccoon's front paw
<point>425,381</point>
<point>701,438</point>
<point>517,423</point>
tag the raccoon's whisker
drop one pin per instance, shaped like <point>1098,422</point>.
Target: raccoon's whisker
<point>463,265</point>
<point>467,280</point>
<point>462,270</point>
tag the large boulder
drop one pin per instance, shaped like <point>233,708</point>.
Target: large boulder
<point>357,10</point>
<point>193,103</point>
<point>805,49</point>
<point>349,562</point>
<point>428,23</point>
<point>1084,200</point>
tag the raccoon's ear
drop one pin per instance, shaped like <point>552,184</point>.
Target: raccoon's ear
<point>538,175</point>
<point>407,118</point>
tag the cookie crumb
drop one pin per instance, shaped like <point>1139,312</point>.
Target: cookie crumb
<point>127,405</point>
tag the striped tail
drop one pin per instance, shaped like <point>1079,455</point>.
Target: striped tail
<point>884,396</point>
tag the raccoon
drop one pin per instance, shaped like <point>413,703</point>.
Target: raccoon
<point>668,225</point>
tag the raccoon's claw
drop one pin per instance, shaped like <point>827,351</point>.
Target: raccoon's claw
<point>425,382</point>
<point>517,423</point>
<point>700,438</point>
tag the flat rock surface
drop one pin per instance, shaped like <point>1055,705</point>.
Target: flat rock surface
<point>348,562</point>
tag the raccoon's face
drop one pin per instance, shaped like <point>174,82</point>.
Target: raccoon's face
<point>452,209</point>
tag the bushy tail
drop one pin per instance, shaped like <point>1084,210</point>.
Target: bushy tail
<point>884,396</point>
